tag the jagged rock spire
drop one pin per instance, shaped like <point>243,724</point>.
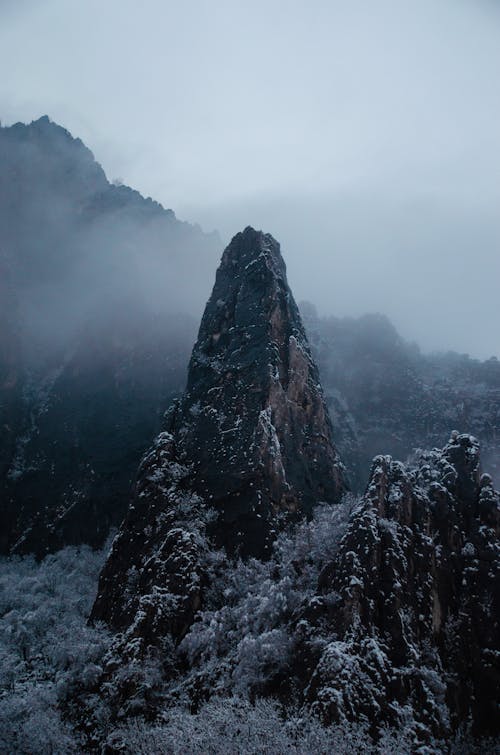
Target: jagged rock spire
<point>416,579</point>
<point>250,440</point>
<point>253,419</point>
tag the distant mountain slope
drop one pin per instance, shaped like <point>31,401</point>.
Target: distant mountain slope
<point>97,291</point>
<point>74,242</point>
<point>384,395</point>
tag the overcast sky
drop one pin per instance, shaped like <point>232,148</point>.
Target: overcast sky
<point>364,135</point>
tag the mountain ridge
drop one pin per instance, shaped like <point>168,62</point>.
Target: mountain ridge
<point>96,281</point>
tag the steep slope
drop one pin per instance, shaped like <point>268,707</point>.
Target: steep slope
<point>253,418</point>
<point>247,449</point>
<point>95,335</point>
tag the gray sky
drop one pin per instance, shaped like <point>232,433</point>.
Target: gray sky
<point>364,135</point>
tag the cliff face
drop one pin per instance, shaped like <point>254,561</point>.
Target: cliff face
<point>253,419</point>
<point>247,449</point>
<point>416,609</point>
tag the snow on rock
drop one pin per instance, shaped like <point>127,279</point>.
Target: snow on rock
<point>418,624</point>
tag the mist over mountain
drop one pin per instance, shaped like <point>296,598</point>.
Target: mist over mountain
<point>100,293</point>
<point>383,392</point>
<point>78,247</point>
<point>101,290</point>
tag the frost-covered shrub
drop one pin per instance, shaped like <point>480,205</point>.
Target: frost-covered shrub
<point>316,542</point>
<point>229,725</point>
<point>65,687</point>
<point>30,722</point>
<point>47,651</point>
<point>246,640</point>
<point>225,726</point>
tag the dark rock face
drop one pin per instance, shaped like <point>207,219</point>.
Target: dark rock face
<point>85,422</point>
<point>253,419</point>
<point>248,447</point>
<point>151,584</point>
<point>414,602</point>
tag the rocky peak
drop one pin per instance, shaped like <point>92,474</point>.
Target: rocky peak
<point>251,246</point>
<point>253,420</point>
<point>51,157</point>
<point>416,609</point>
<point>250,441</point>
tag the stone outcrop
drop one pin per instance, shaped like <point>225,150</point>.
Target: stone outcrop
<point>253,419</point>
<point>412,600</point>
<point>247,449</point>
